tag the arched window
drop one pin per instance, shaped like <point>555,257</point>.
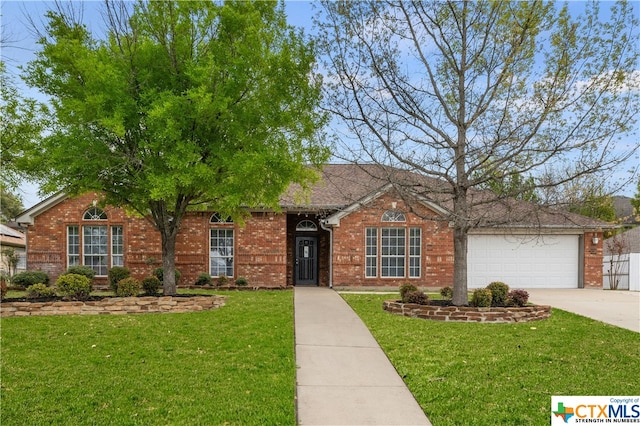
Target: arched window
<point>306,226</point>
<point>216,218</point>
<point>393,216</point>
<point>94,213</point>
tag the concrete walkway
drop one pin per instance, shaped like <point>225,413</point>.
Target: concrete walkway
<point>343,376</point>
<point>617,307</point>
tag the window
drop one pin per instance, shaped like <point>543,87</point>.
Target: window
<point>216,218</point>
<point>95,248</point>
<point>392,248</point>
<point>396,255</point>
<point>371,253</point>
<point>94,213</point>
<point>306,226</point>
<point>221,254</point>
<point>117,246</point>
<point>415,244</point>
<point>73,245</point>
<point>96,245</point>
<point>393,216</point>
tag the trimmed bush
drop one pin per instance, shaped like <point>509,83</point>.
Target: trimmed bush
<point>74,286</point>
<point>128,287</point>
<point>446,293</point>
<point>518,297</point>
<point>406,288</point>
<point>29,278</point>
<point>159,273</point>
<point>81,270</point>
<point>117,274</point>
<point>242,281</point>
<point>40,291</point>
<point>481,298</point>
<point>151,286</point>
<point>499,293</point>
<point>222,280</point>
<point>416,297</point>
<point>204,279</point>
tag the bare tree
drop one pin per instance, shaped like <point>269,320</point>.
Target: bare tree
<point>469,92</point>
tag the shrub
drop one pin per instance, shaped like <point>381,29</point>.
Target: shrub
<point>151,286</point>
<point>159,273</point>
<point>222,280</point>
<point>406,288</point>
<point>446,293</point>
<point>117,274</point>
<point>241,281</point>
<point>499,292</point>
<point>518,297</point>
<point>81,270</point>
<point>416,297</point>
<point>40,291</point>
<point>29,278</point>
<point>204,279</point>
<point>74,286</point>
<point>481,297</point>
<point>128,287</point>
<point>3,289</point>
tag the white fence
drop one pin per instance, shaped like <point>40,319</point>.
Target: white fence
<point>626,270</point>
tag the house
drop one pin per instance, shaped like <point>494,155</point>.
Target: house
<point>621,261</point>
<point>12,244</point>
<point>360,225</point>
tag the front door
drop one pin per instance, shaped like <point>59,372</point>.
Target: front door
<point>306,261</point>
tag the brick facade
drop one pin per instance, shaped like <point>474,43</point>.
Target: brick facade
<point>264,246</point>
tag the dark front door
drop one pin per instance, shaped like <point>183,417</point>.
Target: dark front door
<point>306,261</point>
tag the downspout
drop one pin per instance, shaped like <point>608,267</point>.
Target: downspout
<point>330,231</point>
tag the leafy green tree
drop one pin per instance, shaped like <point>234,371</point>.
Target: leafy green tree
<point>21,122</point>
<point>457,90</point>
<point>183,105</point>
<point>10,205</point>
<point>635,201</point>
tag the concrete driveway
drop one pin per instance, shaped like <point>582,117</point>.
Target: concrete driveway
<point>620,308</point>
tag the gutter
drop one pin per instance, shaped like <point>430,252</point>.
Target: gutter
<point>330,231</point>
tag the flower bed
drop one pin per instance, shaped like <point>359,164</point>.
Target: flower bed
<point>114,306</point>
<point>467,313</point>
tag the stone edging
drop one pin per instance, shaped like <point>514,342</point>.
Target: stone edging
<point>467,313</point>
<point>114,306</point>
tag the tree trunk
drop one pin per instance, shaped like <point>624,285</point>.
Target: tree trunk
<point>460,266</point>
<point>169,285</point>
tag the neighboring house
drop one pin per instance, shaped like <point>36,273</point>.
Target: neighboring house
<point>624,210</point>
<point>15,242</point>
<point>353,228</point>
<point>621,260</point>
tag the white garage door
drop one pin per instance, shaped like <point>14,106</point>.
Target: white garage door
<point>549,261</point>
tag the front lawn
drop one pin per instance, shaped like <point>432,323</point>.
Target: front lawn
<point>488,374</point>
<point>233,365</point>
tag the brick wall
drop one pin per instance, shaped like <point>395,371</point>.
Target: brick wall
<point>593,260</point>
<point>260,246</point>
<point>349,245</point>
<point>264,246</point>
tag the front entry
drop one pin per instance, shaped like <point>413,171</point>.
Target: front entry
<point>306,261</point>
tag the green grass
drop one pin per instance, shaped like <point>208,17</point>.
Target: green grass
<point>233,365</point>
<point>489,374</point>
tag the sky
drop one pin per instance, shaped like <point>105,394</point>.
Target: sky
<point>20,47</point>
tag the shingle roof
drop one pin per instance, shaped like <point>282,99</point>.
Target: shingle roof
<point>630,239</point>
<point>342,185</point>
<point>11,237</point>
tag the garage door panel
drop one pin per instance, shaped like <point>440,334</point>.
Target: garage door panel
<point>524,261</point>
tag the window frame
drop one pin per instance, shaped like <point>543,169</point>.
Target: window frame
<point>371,252</point>
<point>229,259</point>
<point>100,251</point>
